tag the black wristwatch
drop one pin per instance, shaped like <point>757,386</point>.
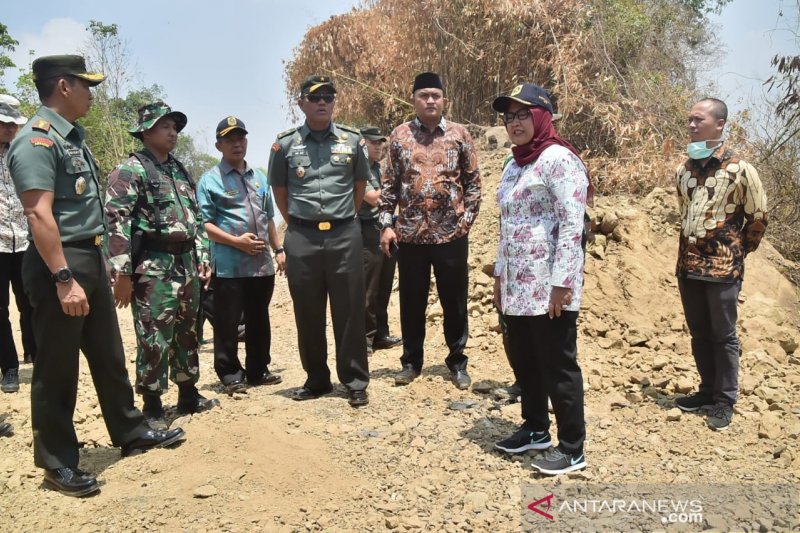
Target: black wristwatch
<point>277,251</point>
<point>62,275</point>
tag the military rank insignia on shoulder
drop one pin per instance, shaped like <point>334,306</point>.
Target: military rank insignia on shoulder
<point>42,141</point>
<point>286,133</point>
<point>41,125</point>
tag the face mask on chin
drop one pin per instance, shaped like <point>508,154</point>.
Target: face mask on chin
<point>698,150</point>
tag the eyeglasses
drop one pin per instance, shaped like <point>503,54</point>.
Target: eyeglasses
<point>520,115</point>
<point>315,98</point>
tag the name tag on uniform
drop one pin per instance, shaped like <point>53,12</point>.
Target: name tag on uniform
<point>341,149</point>
<point>299,148</point>
<point>231,193</point>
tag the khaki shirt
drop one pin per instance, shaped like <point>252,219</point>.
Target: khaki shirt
<point>319,175</point>
<point>50,154</point>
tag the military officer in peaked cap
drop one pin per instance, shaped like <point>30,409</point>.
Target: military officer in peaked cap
<point>65,277</point>
<point>318,173</point>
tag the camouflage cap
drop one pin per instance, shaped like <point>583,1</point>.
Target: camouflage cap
<point>149,114</point>
<point>51,66</point>
<point>372,133</point>
<point>9,110</point>
<point>229,124</point>
<point>314,83</point>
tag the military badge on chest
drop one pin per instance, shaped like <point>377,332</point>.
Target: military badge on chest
<point>80,185</point>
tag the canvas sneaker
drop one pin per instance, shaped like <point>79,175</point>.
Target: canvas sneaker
<point>557,462</point>
<point>524,440</point>
<point>720,416</point>
<point>693,402</point>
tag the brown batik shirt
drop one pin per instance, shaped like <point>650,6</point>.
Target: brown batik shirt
<point>723,216</point>
<point>433,177</point>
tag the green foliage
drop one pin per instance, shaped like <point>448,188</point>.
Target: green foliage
<point>195,161</point>
<point>7,45</point>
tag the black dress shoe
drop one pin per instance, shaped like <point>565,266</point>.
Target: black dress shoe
<point>386,342</point>
<point>192,402</point>
<point>153,439</point>
<point>460,378</point>
<point>304,393</point>
<point>6,429</point>
<point>70,482</point>
<point>357,398</point>
<point>235,386</point>
<point>267,378</point>
<point>406,376</point>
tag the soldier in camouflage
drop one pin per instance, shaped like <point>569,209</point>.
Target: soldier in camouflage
<point>158,247</point>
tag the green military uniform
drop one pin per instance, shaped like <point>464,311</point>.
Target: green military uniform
<point>166,287</point>
<point>378,268</point>
<point>49,154</point>
<point>323,247</point>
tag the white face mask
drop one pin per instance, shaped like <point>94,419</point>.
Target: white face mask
<point>700,149</point>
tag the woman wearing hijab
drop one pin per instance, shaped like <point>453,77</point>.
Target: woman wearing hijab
<point>539,276</point>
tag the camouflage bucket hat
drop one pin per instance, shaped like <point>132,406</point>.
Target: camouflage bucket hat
<point>149,114</point>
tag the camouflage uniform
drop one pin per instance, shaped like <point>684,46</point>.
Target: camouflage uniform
<point>166,286</point>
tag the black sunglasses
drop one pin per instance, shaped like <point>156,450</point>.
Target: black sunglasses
<point>520,115</point>
<point>314,98</point>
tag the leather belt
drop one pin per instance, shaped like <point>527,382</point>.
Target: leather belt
<point>174,248</point>
<point>321,225</point>
<point>91,242</point>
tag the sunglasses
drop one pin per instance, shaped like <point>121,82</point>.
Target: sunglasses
<point>520,115</point>
<point>315,98</point>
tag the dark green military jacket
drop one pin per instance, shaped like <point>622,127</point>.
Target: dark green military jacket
<point>319,170</point>
<point>50,154</point>
<point>369,212</point>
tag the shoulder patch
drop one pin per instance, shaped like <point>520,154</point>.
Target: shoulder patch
<point>286,133</point>
<point>362,142</point>
<point>42,141</point>
<point>276,147</point>
<point>41,125</point>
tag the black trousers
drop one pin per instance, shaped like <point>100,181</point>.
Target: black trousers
<point>322,265</point>
<point>234,297</point>
<point>59,338</point>
<point>544,353</point>
<point>11,275</point>
<point>378,278</point>
<point>449,262</point>
<point>711,313</point>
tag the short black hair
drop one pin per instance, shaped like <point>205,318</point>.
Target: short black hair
<point>718,108</point>
<point>46,86</point>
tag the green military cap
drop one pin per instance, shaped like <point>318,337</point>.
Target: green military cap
<point>315,83</point>
<point>149,114</point>
<point>68,65</point>
<point>372,133</point>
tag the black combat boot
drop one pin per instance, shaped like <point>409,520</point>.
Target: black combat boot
<point>153,411</point>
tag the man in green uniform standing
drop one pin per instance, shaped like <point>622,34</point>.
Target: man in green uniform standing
<point>318,174</point>
<point>157,244</point>
<point>65,278</point>
<point>378,267</point>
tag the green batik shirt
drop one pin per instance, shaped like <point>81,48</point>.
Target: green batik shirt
<point>166,211</point>
<point>319,170</point>
<point>50,154</point>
